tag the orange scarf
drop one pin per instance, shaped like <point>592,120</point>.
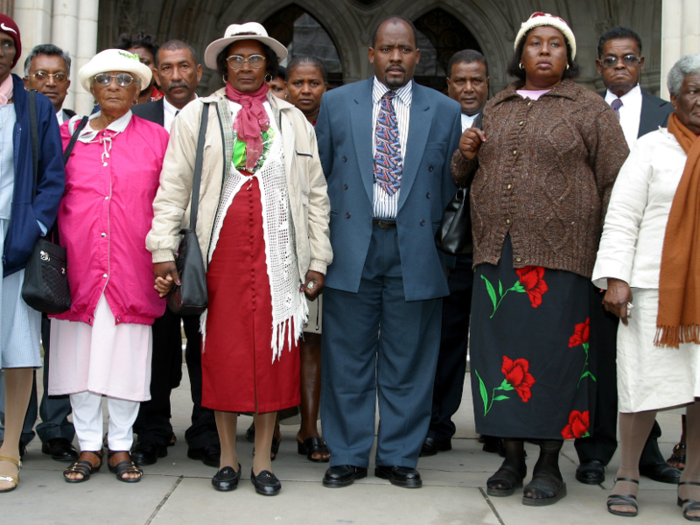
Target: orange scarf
<point>678,320</point>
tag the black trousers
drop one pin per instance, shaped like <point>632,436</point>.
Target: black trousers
<point>153,421</point>
<point>602,443</point>
<point>452,360</point>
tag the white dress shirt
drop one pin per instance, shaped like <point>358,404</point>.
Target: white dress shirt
<point>635,224</point>
<point>630,112</point>
<point>169,113</point>
<point>61,116</point>
<point>386,206</point>
<point>467,121</point>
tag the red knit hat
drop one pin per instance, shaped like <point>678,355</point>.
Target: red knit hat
<point>7,25</point>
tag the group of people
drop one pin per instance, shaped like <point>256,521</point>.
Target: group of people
<point>316,213</point>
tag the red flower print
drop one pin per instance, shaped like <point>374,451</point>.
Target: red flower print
<point>517,375</point>
<point>578,425</point>
<point>581,333</point>
<point>531,277</point>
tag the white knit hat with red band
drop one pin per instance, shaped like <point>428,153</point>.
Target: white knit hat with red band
<point>545,19</point>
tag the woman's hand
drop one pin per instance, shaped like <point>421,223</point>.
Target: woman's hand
<point>470,142</point>
<point>616,299</point>
<point>166,277</point>
<point>313,284</point>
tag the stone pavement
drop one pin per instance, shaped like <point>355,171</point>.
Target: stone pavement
<point>178,490</point>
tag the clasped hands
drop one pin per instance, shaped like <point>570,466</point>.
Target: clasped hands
<point>166,276</point>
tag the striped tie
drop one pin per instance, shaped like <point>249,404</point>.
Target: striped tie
<point>388,163</point>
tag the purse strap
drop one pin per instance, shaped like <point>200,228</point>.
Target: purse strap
<point>74,139</point>
<point>34,133</point>
<point>197,181</point>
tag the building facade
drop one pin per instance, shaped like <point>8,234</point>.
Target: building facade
<point>339,31</point>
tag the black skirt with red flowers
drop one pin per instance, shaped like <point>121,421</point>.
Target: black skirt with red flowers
<point>529,345</point>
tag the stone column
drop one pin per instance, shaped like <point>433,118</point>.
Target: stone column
<point>680,34</point>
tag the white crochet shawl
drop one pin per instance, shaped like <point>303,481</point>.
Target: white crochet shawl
<point>288,303</point>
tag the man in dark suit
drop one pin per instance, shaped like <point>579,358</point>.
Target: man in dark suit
<point>468,84</point>
<point>385,145</point>
<point>47,70</point>
<point>620,63</point>
<point>178,75</point>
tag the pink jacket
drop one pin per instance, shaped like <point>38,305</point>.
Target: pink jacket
<point>105,214</point>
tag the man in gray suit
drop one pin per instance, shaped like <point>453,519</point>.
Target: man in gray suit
<point>385,144</point>
<point>620,63</point>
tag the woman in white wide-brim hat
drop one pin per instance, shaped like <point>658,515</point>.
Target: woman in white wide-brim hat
<point>102,345</point>
<point>263,231</point>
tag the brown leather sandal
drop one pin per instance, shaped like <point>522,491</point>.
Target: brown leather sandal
<point>83,467</point>
<point>125,467</point>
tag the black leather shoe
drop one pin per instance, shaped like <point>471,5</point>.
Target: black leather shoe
<point>226,479</point>
<point>148,452</point>
<point>343,475</point>
<point>661,472</point>
<point>406,477</point>
<point>209,455</point>
<point>591,472</point>
<point>265,483</point>
<point>60,449</point>
<point>432,446</point>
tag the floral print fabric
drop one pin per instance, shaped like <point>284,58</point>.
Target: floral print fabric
<point>529,351</point>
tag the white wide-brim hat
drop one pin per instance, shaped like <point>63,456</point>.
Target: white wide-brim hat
<point>539,19</point>
<point>236,32</point>
<point>114,60</point>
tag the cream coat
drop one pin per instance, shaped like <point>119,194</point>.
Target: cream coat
<point>308,198</point>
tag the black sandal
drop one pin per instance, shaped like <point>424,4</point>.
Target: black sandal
<point>124,467</point>
<point>615,500</point>
<point>548,486</point>
<point>692,504</point>
<point>506,477</point>
<point>677,456</point>
<point>311,446</point>
<point>84,468</point>
<point>274,448</point>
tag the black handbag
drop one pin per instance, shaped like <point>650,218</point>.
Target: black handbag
<point>191,298</point>
<point>45,287</point>
<point>455,234</point>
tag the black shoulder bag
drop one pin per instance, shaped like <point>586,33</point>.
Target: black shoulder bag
<point>45,286</point>
<point>190,298</point>
<point>455,234</point>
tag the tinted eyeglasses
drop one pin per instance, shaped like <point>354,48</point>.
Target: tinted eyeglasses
<point>236,62</point>
<point>105,79</point>
<point>43,76</point>
<point>628,60</point>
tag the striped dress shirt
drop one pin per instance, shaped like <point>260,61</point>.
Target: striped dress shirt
<point>386,206</point>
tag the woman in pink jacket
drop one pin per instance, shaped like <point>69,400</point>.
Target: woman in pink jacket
<point>103,343</point>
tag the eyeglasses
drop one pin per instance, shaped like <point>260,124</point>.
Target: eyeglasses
<point>628,60</point>
<point>236,62</point>
<point>43,76</point>
<point>105,79</point>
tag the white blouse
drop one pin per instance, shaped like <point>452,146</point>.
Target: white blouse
<point>635,224</point>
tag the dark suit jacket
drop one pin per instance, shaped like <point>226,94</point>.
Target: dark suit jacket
<point>151,111</point>
<point>69,112</point>
<point>344,131</point>
<point>655,113</point>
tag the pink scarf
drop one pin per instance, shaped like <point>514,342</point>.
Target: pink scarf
<point>250,121</point>
<point>7,90</point>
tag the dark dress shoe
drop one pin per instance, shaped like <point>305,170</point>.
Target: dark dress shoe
<point>209,455</point>
<point>60,449</point>
<point>148,452</point>
<point>405,477</point>
<point>226,479</point>
<point>265,483</point>
<point>432,446</point>
<point>591,472</point>
<point>661,472</point>
<point>343,475</point>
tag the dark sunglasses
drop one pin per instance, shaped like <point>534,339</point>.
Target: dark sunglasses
<point>628,60</point>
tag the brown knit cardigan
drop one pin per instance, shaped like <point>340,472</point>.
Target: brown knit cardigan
<point>545,173</point>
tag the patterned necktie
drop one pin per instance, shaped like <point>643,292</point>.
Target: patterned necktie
<point>388,163</point>
<point>616,105</point>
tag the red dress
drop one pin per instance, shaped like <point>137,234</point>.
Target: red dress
<point>237,367</point>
